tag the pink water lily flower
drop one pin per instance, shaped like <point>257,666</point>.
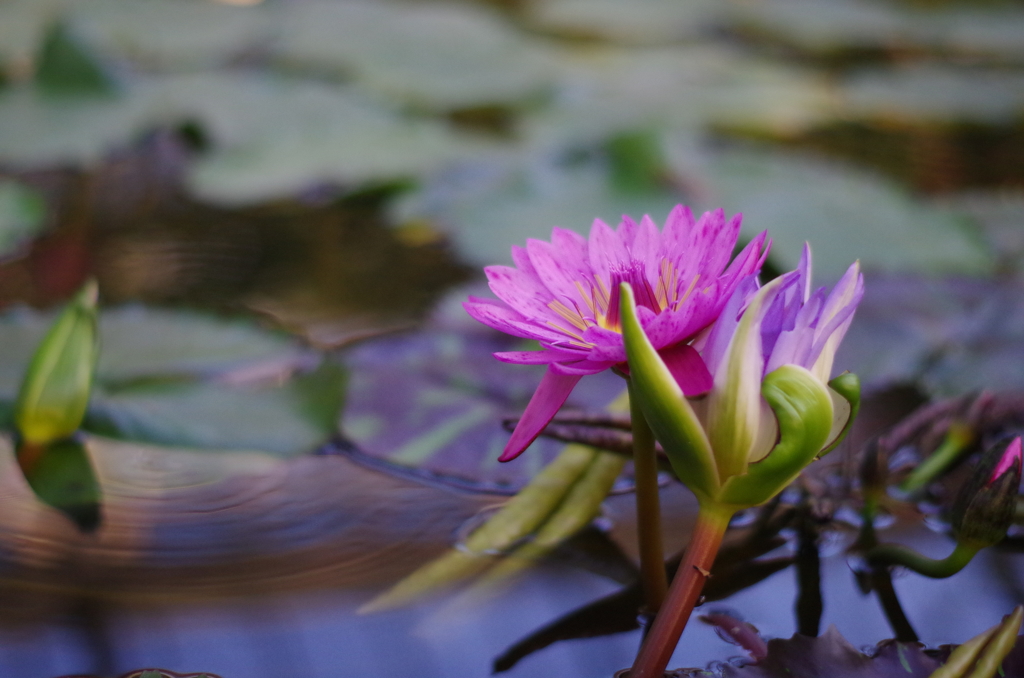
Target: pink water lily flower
<point>565,294</point>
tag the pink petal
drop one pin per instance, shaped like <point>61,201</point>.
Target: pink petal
<point>581,367</point>
<point>522,292</point>
<point>1011,460</point>
<point>607,251</point>
<point>549,396</point>
<point>493,314</point>
<point>544,357</point>
<point>627,231</point>
<point>715,239</point>
<point>645,247</point>
<point>560,266</point>
<point>688,369</point>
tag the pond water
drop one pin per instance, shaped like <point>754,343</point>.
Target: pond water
<point>284,204</point>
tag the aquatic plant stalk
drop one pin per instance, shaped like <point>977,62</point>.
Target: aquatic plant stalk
<point>895,554</point>
<point>648,510</point>
<point>695,569</point>
<point>957,440</point>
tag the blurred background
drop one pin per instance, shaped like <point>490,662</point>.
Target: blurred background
<point>285,201</point>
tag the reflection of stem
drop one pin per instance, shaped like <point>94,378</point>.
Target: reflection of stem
<point>808,574</point>
<point>682,597</point>
<point>958,438</point>
<point>880,576</point>
<point>895,554</point>
<point>648,509</point>
<point>881,583</point>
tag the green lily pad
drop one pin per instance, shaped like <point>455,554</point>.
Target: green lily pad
<point>276,137</point>
<point>497,207</point>
<point>638,22</point>
<point>606,90</point>
<point>857,25</point>
<point>295,417</point>
<point>182,378</point>
<point>37,130</point>
<point>22,216</point>
<point>930,93</point>
<point>844,213</point>
<point>434,55</point>
<point>171,34</point>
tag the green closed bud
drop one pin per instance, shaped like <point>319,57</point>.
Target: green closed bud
<point>984,508</point>
<point>55,391</point>
<point>669,414</point>
<point>803,408</point>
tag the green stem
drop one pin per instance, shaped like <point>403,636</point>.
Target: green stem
<point>648,508</point>
<point>958,438</point>
<point>695,569</point>
<point>895,554</point>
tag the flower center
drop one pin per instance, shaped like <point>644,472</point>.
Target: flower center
<point>598,302</point>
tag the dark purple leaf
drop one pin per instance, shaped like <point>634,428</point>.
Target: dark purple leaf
<point>434,400</point>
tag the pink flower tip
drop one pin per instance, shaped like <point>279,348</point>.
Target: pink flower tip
<point>1011,460</point>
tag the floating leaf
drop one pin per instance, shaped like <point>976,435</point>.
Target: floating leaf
<point>847,214</point>
<point>931,93</point>
<point>183,378</point>
<point>294,417</point>
<point>165,35</point>
<point>434,55</point>
<point>37,130</point>
<point>62,476</point>
<point>490,210</point>
<point>639,22</point>
<point>607,90</point>
<point>852,26</point>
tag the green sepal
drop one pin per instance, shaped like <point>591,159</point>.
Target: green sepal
<point>803,408</point>
<point>55,391</point>
<point>63,477</point>
<point>666,409</point>
<point>847,387</point>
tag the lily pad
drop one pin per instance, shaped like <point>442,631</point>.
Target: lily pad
<point>845,213</point>
<point>171,34</point>
<point>607,90</point>
<point>639,22</point>
<point>930,93</point>
<point>295,417</point>
<point>182,378</point>
<point>854,26</point>
<point>37,130</point>
<point>441,56</point>
<point>276,137</point>
<point>493,208</point>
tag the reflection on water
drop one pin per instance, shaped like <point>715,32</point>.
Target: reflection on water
<point>324,265</point>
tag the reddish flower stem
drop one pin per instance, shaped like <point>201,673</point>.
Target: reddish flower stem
<point>648,510</point>
<point>663,637</point>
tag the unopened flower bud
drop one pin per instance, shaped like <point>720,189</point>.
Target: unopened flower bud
<point>55,391</point>
<point>984,508</point>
